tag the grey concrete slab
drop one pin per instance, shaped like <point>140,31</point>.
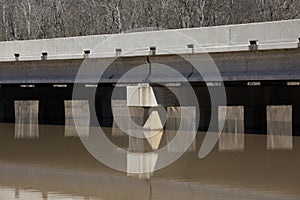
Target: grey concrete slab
<point>77,118</point>
<point>232,137</point>
<point>26,119</point>
<point>272,35</point>
<point>237,66</point>
<point>268,32</point>
<point>279,127</point>
<point>181,120</point>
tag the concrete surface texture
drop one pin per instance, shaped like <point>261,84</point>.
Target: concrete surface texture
<point>270,35</point>
<point>78,109</point>
<point>232,138</point>
<point>280,129</point>
<point>26,119</point>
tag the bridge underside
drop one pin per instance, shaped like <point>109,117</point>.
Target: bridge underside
<point>233,66</point>
<point>254,82</point>
<point>254,100</point>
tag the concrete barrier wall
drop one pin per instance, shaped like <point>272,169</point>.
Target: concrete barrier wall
<point>221,38</point>
<point>269,32</point>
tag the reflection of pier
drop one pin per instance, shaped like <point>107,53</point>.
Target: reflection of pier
<point>254,78</point>
<point>259,65</point>
<point>278,137</point>
<point>158,134</point>
<point>38,166</point>
<point>103,186</point>
<point>279,123</point>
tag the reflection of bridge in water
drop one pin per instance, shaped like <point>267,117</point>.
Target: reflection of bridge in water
<point>259,64</point>
<point>54,164</point>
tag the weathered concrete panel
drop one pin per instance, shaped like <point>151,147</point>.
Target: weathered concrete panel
<point>77,110</point>
<point>280,62</point>
<point>232,137</point>
<point>67,47</point>
<point>140,164</point>
<point>153,130</point>
<point>26,119</point>
<point>39,72</point>
<point>119,108</point>
<point>65,71</point>
<point>279,127</point>
<point>141,95</point>
<point>120,66</point>
<point>266,65</point>
<point>138,116</point>
<point>267,32</point>
<point>175,62</point>
<point>217,39</point>
<point>231,64</point>
<point>209,36</point>
<point>184,117</point>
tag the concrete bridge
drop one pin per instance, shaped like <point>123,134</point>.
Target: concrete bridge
<point>259,64</point>
<point>248,52</point>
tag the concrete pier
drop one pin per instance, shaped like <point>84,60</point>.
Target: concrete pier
<point>183,120</point>
<point>232,137</point>
<point>280,133</point>
<point>26,116</point>
<point>79,111</point>
<point>252,78</point>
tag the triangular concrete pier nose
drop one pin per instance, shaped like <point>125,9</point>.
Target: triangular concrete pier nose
<point>154,130</point>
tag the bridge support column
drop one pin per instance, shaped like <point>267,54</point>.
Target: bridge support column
<point>139,99</point>
<point>26,119</point>
<point>137,144</point>
<point>141,95</point>
<point>232,137</point>
<point>279,127</point>
<point>79,110</point>
<point>119,111</point>
<point>188,126</point>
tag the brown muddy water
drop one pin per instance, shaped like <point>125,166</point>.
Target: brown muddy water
<point>51,164</point>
